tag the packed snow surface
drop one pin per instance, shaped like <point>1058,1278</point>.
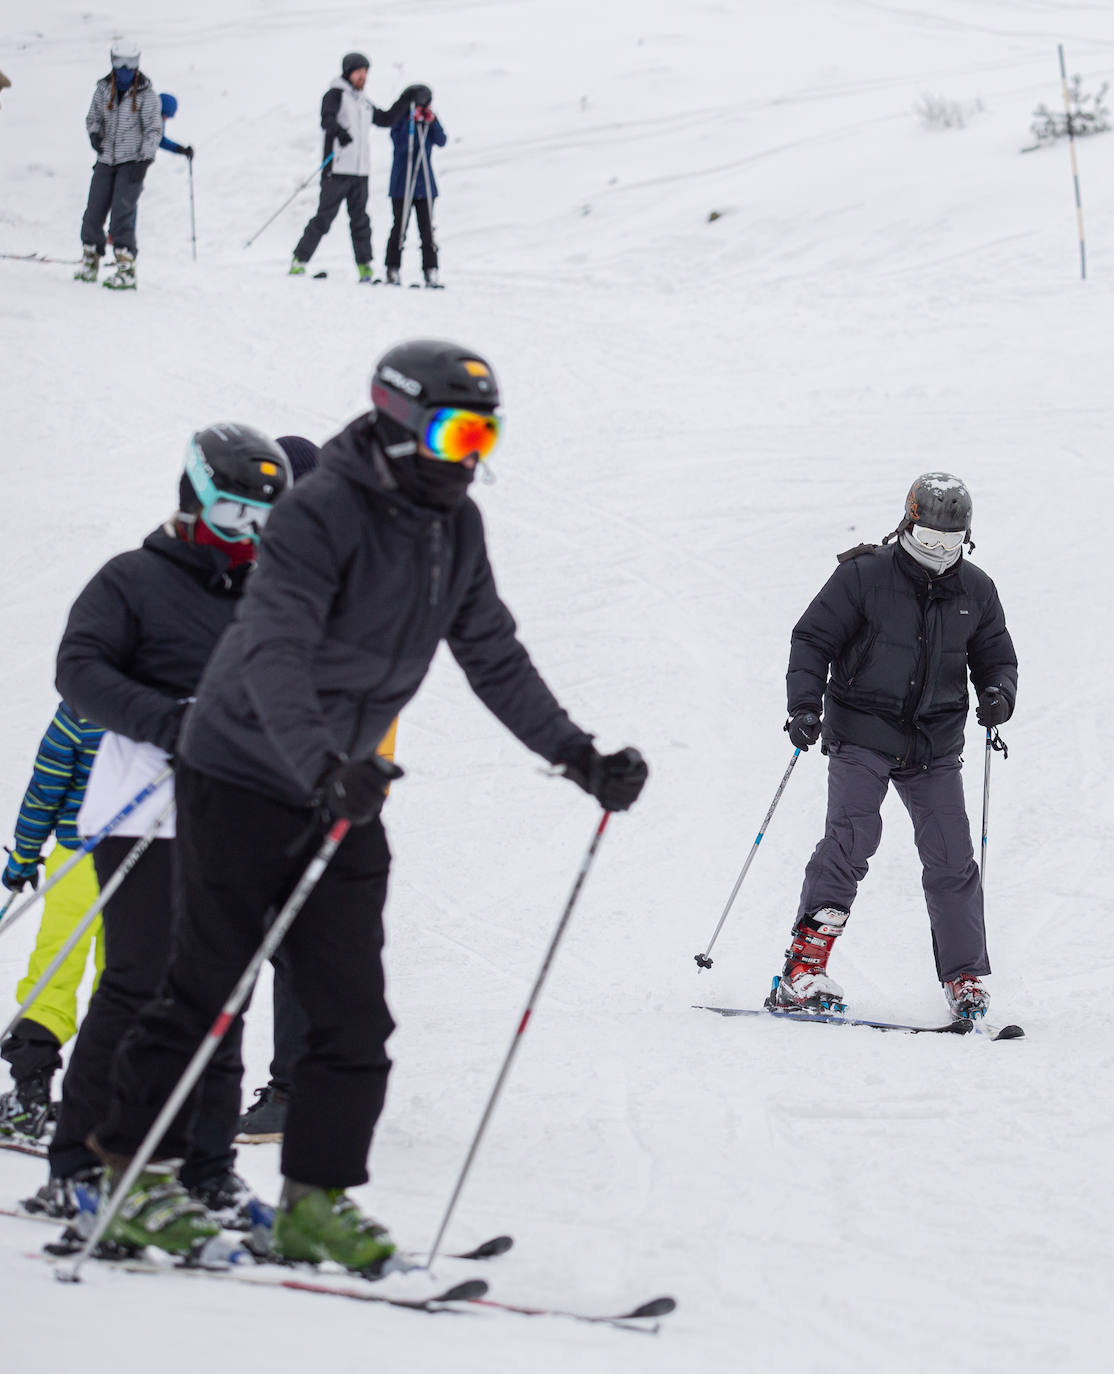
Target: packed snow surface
<point>738,297</point>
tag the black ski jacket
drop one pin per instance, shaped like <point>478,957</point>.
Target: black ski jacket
<point>356,588</point>
<point>899,644</point>
<point>138,637</point>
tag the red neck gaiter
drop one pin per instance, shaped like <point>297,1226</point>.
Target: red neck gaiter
<point>240,552</point>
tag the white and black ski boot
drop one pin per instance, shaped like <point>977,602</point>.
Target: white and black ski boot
<point>393,278</point>
<point>804,985</point>
<point>26,1113</point>
<point>966,997</point>
<point>433,279</point>
<point>123,279</point>
<point>229,1200</point>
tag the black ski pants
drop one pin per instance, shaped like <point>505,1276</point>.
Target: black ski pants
<point>858,779</point>
<point>137,946</point>
<point>240,854</point>
<point>336,190</point>
<point>113,195</point>
<point>422,209</point>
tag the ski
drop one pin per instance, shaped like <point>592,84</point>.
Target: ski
<point>39,257</point>
<point>23,1147</point>
<point>624,1321</point>
<point>962,1027</point>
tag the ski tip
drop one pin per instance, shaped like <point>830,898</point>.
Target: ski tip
<point>657,1307</point>
<point>468,1291</point>
<point>1010,1033</point>
<point>497,1245</point>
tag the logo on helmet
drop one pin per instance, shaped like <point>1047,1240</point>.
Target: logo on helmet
<point>396,379</point>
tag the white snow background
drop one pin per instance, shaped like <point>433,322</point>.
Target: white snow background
<point>700,414</point>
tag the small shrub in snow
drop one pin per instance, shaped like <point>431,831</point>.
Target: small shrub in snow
<point>937,112</point>
<point>1089,115</point>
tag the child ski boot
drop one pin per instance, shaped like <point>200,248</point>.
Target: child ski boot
<point>158,1211</point>
<point>90,263</point>
<point>317,1224</point>
<point>123,279</point>
<point>804,984</point>
<point>25,1111</point>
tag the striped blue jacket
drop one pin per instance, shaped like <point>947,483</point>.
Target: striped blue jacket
<point>57,786</point>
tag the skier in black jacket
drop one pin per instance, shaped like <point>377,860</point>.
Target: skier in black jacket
<point>134,648</point>
<point>368,565</point>
<point>899,627</point>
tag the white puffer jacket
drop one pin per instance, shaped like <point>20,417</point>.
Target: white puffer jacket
<point>354,116</point>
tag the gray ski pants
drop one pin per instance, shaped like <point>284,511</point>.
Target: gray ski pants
<point>113,195</point>
<point>857,782</point>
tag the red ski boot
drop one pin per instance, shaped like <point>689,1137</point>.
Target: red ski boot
<point>803,984</point>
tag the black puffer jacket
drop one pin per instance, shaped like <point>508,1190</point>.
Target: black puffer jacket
<point>140,634</point>
<point>899,644</point>
<point>356,588</point>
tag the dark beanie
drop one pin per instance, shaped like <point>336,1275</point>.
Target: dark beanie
<point>304,455</point>
<point>353,61</point>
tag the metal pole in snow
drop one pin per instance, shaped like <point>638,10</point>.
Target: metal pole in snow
<point>1074,168</point>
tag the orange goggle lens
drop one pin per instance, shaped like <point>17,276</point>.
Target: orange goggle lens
<point>454,435</point>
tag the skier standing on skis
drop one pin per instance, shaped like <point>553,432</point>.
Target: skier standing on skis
<point>365,569</point>
<point>413,184</point>
<point>347,115</point>
<point>124,125</point>
<point>50,806</point>
<point>132,654</point>
<point>898,627</point>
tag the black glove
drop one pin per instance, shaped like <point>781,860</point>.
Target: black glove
<point>344,138</point>
<point>993,708</point>
<point>19,872</point>
<point>615,780</point>
<point>139,170</point>
<point>355,789</point>
<point>187,153</point>
<point>166,737</point>
<point>804,729</point>
<point>97,140</point>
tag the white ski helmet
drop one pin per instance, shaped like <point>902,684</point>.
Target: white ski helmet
<point>125,53</point>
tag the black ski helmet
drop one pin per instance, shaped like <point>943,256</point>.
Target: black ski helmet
<point>238,465</point>
<point>417,377</point>
<point>352,62</point>
<point>939,501</point>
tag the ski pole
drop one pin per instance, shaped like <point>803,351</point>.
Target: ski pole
<point>1074,168</point>
<point>702,960</point>
<point>86,845</point>
<point>193,221</point>
<point>411,178</point>
<point>531,1002</point>
<point>289,198</point>
<point>994,742</point>
<point>106,1213</point>
<point>134,855</point>
<point>423,160</point>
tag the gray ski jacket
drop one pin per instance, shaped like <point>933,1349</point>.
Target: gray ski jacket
<point>356,587</point>
<point>129,126</point>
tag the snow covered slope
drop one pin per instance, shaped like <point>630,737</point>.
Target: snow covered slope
<point>700,413</point>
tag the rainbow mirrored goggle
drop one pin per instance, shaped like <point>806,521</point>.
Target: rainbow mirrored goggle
<point>938,539</point>
<point>456,435</point>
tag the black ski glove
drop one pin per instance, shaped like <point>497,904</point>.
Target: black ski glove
<point>355,789</point>
<point>19,873</point>
<point>139,170</point>
<point>166,737</point>
<point>187,153</point>
<point>615,780</point>
<point>344,138</point>
<point>97,140</point>
<point>993,708</point>
<point>803,729</point>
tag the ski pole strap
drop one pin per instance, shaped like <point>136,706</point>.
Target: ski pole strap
<point>995,741</point>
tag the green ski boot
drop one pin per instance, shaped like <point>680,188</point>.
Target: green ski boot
<point>325,1224</point>
<point>366,271</point>
<point>297,269</point>
<point>158,1211</point>
<point>90,263</point>
<point>123,279</point>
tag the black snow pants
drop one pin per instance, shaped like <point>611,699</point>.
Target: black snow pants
<point>858,779</point>
<point>421,207</point>
<point>137,946</point>
<point>113,195</point>
<point>240,854</point>
<point>335,191</point>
